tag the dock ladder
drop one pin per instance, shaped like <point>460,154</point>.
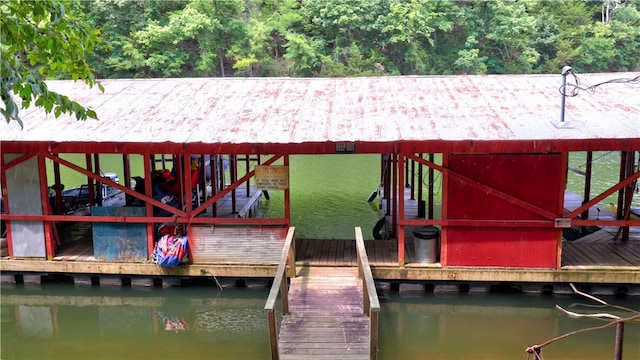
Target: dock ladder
<point>327,312</point>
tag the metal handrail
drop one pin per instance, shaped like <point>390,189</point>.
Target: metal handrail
<point>371,304</point>
<point>280,286</point>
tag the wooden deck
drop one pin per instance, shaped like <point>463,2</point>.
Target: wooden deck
<point>611,259</point>
<point>600,249</point>
<point>597,249</point>
<point>326,319</point>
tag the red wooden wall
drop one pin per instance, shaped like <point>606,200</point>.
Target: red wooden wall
<point>534,178</point>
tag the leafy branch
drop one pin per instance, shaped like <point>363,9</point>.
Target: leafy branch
<point>41,40</point>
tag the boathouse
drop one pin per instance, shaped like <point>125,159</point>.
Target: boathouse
<point>500,142</point>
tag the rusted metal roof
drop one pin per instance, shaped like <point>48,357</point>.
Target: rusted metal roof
<point>223,111</point>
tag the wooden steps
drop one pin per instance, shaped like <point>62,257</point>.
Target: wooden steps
<point>326,319</point>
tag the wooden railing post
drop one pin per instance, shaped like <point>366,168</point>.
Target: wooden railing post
<point>370,302</point>
<point>280,286</point>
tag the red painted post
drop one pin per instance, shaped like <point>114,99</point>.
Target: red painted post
<point>44,196</point>
<point>396,195</point>
<point>399,199</point>
<point>148,191</point>
<point>431,186</point>
<point>287,196</point>
<point>57,187</point>
<point>444,246</point>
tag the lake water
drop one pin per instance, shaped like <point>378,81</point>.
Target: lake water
<point>59,321</point>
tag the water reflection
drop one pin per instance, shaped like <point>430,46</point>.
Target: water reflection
<point>496,326</point>
<point>59,321</point>
<point>195,322</point>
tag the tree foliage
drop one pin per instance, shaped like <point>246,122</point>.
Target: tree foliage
<point>40,40</point>
<point>154,38</point>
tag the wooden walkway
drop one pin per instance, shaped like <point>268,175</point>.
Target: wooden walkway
<point>325,319</point>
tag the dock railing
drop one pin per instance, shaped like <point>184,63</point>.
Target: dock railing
<point>371,304</point>
<point>280,286</point>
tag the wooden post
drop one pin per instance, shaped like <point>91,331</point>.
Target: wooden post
<point>399,199</point>
<point>619,340</point>
<point>273,334</point>
<point>185,168</point>
<point>395,186</point>
<point>587,189</point>
<point>247,163</point>
<point>233,174</point>
<point>373,334</point>
<point>126,168</point>
<point>58,187</point>
<point>628,193</point>
<point>431,187</point>
<point>412,184</point>
<point>279,286</point>
<point>444,246</point>
<point>292,259</point>
<point>44,195</point>
<point>216,178</point>
<point>98,187</point>
<point>287,196</point>
<point>89,166</point>
<point>420,195</point>
<point>371,304</point>
<point>149,161</point>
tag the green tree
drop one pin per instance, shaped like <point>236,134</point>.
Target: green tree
<point>151,38</point>
<point>268,24</point>
<point>117,21</point>
<point>613,43</point>
<point>40,40</point>
<point>502,31</point>
<point>409,32</point>
<point>334,29</point>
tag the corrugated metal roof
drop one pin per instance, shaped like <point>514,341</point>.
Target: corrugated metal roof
<point>367,109</point>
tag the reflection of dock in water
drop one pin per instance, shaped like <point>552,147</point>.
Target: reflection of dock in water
<point>222,317</point>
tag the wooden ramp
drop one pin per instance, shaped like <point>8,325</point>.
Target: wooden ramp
<point>325,319</point>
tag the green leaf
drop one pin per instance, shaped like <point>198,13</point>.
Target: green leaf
<point>40,39</point>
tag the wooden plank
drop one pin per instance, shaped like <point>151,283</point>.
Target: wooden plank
<point>301,248</point>
<point>326,246</point>
<point>333,252</point>
<point>310,253</point>
<point>326,319</point>
<point>349,255</point>
<point>236,244</point>
<point>78,247</point>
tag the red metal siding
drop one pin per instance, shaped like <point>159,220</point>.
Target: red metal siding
<point>535,179</point>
